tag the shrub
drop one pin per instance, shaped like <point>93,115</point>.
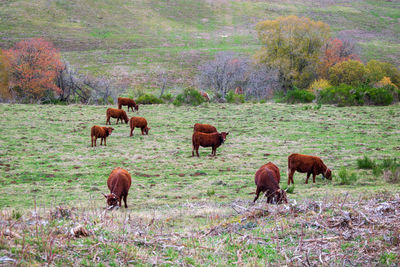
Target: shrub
<point>378,70</point>
<point>231,97</point>
<point>319,85</point>
<point>392,176</point>
<point>167,97</point>
<point>387,84</point>
<point>366,163</point>
<point>378,96</point>
<point>299,96</point>
<point>350,72</point>
<point>347,178</point>
<point>343,95</point>
<point>149,99</point>
<point>189,96</point>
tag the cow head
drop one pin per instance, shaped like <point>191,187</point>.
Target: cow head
<point>112,199</point>
<point>137,107</point>
<point>109,130</point>
<point>281,196</point>
<point>328,174</point>
<point>223,136</point>
<point>146,130</point>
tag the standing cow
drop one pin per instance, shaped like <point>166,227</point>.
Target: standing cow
<point>213,140</point>
<point>119,183</point>
<point>119,114</point>
<point>307,164</point>
<point>100,132</point>
<point>125,101</point>
<point>139,122</point>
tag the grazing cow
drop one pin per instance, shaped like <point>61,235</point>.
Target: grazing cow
<point>239,90</point>
<point>139,122</point>
<point>267,180</point>
<point>100,132</point>
<point>119,183</point>
<point>307,164</point>
<point>206,140</point>
<point>204,128</point>
<point>125,101</point>
<point>116,113</point>
<point>205,95</point>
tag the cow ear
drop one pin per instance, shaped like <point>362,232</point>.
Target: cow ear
<point>227,133</point>
<point>104,195</point>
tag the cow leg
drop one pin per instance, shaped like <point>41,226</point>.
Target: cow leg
<point>142,130</point>
<point>105,143</point>
<point>92,140</point>
<point>197,151</point>
<point>132,131</point>
<point>101,142</point>
<point>313,177</point>
<point>192,150</point>
<point>108,120</point>
<point>95,140</point>
<point>290,178</point>
<point>257,194</point>
<point>308,176</point>
<point>126,205</point>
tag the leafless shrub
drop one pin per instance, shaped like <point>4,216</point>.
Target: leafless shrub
<point>262,82</point>
<point>392,176</point>
<point>84,88</point>
<point>224,73</point>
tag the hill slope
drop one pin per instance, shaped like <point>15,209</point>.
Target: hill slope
<point>137,39</point>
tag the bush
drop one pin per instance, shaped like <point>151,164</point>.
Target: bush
<point>149,99</point>
<point>231,97</point>
<point>189,96</point>
<point>378,96</point>
<point>319,85</point>
<point>392,176</point>
<point>350,72</point>
<point>346,95</point>
<point>299,96</point>
<point>167,97</point>
<point>378,70</point>
<point>347,178</point>
<point>366,163</point>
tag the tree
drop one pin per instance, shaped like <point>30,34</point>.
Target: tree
<point>334,52</point>
<point>33,68</point>
<point>4,92</point>
<point>223,73</point>
<point>262,82</point>
<point>292,45</point>
<point>351,72</point>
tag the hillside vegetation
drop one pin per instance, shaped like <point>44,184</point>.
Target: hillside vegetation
<point>133,41</point>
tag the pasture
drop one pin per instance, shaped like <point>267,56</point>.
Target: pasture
<point>189,210</point>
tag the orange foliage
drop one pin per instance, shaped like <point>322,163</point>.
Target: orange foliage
<point>335,51</point>
<point>4,92</point>
<point>33,68</point>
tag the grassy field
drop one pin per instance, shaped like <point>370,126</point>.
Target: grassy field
<point>133,41</point>
<point>186,210</point>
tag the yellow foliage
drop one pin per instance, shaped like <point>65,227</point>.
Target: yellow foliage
<point>319,85</point>
<point>292,44</point>
<point>4,92</point>
<point>385,82</point>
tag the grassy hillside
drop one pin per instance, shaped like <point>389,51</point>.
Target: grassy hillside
<point>135,40</point>
<point>189,210</point>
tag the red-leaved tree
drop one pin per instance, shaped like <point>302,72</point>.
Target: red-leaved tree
<point>336,51</point>
<point>33,67</point>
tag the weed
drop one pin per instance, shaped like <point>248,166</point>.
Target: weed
<point>347,178</point>
<point>366,163</point>
<point>289,189</point>
<point>210,192</point>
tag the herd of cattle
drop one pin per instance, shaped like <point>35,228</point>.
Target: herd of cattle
<point>267,178</point>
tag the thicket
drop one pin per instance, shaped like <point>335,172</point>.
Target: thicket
<point>189,96</point>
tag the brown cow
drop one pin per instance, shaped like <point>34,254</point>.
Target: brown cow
<point>307,164</point>
<point>116,113</point>
<point>125,101</point>
<point>267,180</point>
<point>239,90</point>
<point>205,95</point>
<point>139,122</point>
<point>102,132</point>
<point>204,128</point>
<point>119,183</point>
<point>206,140</point>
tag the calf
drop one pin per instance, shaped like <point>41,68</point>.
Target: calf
<point>100,132</point>
<point>213,140</point>
<point>204,128</point>
<point>139,122</point>
<point>267,180</point>
<point>116,113</point>
<point>307,164</point>
<point>119,183</point>
<point>125,101</point>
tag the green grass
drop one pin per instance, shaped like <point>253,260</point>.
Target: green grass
<point>135,40</point>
